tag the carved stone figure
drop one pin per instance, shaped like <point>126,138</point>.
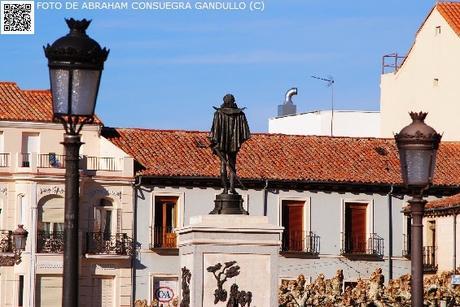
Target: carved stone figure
<point>438,291</point>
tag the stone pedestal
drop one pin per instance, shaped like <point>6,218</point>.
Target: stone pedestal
<point>249,242</point>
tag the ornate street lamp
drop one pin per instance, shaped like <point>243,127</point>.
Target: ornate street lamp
<point>417,145</point>
<point>75,64</point>
<point>19,240</point>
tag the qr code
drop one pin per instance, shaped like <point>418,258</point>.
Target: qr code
<point>17,17</point>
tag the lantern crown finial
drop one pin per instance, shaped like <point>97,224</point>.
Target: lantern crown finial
<point>78,26</point>
<point>418,116</point>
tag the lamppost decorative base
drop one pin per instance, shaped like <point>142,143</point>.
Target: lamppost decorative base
<point>228,204</point>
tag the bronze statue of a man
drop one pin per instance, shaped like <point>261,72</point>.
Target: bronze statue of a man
<point>228,132</point>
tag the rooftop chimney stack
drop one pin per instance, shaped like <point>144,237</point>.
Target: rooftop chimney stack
<point>288,107</point>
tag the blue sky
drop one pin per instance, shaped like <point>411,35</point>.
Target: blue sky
<point>166,69</point>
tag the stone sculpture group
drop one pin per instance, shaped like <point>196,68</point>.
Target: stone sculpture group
<point>367,292</point>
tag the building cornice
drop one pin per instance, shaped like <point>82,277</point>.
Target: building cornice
<point>42,125</point>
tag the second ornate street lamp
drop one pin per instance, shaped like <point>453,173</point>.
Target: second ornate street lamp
<point>17,246</point>
<point>417,145</point>
<point>75,64</point>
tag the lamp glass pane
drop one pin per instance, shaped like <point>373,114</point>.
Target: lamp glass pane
<point>19,242</point>
<point>85,84</point>
<point>418,163</point>
<point>60,90</point>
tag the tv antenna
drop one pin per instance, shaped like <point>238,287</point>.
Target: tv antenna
<point>329,83</point>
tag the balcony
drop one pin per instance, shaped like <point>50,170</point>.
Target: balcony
<point>360,247</point>
<point>164,238</point>
<point>4,159</point>
<point>24,159</point>
<point>51,160</point>
<point>429,260</point>
<point>300,243</point>
<point>103,245</point>
<point>6,241</point>
<point>50,242</point>
<point>53,163</point>
<point>103,164</point>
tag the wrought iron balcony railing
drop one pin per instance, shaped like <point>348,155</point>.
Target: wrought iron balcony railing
<point>4,159</point>
<point>103,164</point>
<point>51,160</point>
<point>301,241</point>
<point>24,159</point>
<point>99,243</point>
<point>360,245</point>
<point>50,242</point>
<point>6,241</point>
<point>429,259</point>
<point>164,237</point>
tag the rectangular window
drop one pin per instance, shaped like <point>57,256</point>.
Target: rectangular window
<point>48,291</point>
<point>437,30</point>
<point>2,144</point>
<point>292,221</point>
<point>355,228</point>
<point>21,291</point>
<point>30,144</point>
<point>165,220</point>
<point>407,236</point>
<point>102,292</point>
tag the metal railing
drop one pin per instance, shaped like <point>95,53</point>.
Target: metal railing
<point>103,164</point>
<point>6,241</point>
<point>51,160</point>
<point>50,242</point>
<point>24,159</point>
<point>4,159</point>
<point>429,259</point>
<point>391,62</point>
<point>99,243</point>
<point>360,245</point>
<point>164,237</point>
<point>300,241</point>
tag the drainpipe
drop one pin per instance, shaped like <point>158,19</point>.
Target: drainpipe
<point>455,244</point>
<point>390,233</point>
<point>265,197</point>
<point>134,257</point>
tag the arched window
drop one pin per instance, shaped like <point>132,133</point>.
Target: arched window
<point>51,214</point>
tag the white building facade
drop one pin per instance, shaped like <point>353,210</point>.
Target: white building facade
<point>328,122</point>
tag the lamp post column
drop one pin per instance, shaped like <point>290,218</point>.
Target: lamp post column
<point>417,206</point>
<point>72,145</point>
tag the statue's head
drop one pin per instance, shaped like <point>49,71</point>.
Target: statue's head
<point>229,101</point>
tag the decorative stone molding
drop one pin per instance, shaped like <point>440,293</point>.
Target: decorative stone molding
<point>101,192</point>
<point>51,190</point>
<point>3,190</point>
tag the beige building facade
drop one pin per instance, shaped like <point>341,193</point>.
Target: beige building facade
<point>32,168</point>
<point>427,78</point>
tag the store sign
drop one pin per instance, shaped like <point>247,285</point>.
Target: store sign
<point>164,294</point>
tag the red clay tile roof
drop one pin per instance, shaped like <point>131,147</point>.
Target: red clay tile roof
<point>451,13</point>
<point>444,203</point>
<point>26,105</point>
<point>279,157</point>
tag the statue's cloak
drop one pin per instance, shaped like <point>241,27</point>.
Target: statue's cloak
<point>229,129</point>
